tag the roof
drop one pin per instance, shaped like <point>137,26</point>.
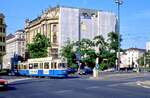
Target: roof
<point>136,49</point>
<point>20,30</point>
<point>58,6</point>
<point>10,36</point>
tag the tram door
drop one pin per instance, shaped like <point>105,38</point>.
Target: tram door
<point>46,68</point>
<point>33,68</point>
<point>53,68</point>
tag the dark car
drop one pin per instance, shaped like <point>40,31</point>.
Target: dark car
<point>86,70</point>
<point>71,70</point>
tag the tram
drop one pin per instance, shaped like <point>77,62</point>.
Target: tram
<point>43,67</point>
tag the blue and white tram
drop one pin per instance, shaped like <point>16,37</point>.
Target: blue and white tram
<point>43,67</point>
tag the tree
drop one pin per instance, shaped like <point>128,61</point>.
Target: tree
<point>68,53</point>
<point>38,48</point>
<point>113,47</point>
<point>88,55</point>
<point>102,45</point>
<point>113,41</point>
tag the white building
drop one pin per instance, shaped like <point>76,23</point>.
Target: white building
<point>148,46</point>
<point>130,57</point>
<point>15,44</point>
<point>67,23</point>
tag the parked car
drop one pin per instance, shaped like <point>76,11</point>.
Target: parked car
<point>86,70</point>
<point>3,83</point>
<point>71,70</point>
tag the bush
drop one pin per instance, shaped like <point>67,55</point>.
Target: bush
<point>103,66</point>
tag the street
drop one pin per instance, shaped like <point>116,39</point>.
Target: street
<point>108,86</point>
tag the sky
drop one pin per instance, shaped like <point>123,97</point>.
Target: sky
<point>135,16</point>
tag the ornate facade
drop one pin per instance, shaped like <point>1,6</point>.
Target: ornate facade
<point>60,24</point>
<point>2,37</point>
<point>15,44</point>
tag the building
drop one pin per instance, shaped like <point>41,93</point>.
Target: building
<point>2,37</point>
<point>61,23</point>
<point>130,57</point>
<point>148,46</point>
<point>15,44</point>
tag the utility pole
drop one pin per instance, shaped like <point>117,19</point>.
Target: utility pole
<point>119,3</point>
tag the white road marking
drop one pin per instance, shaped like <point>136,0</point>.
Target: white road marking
<point>140,84</point>
<point>92,87</point>
<point>15,80</point>
<point>118,84</point>
<point>62,91</point>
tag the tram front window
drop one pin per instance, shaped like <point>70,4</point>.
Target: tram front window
<point>46,65</point>
<point>62,65</point>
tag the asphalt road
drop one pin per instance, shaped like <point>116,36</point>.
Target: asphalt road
<point>120,86</point>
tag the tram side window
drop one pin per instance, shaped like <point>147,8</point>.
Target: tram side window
<point>54,65</point>
<point>41,65</point>
<point>35,66</point>
<point>46,65</point>
<point>30,66</point>
<point>25,66</point>
<point>20,66</point>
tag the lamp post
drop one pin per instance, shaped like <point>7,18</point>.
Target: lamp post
<point>118,2</point>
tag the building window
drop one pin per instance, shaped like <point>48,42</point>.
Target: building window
<point>3,39</point>
<point>19,43</point>
<point>1,29</point>
<point>54,52</point>
<point>23,43</point>
<point>54,38</point>
<point>1,21</point>
<point>54,28</point>
<point>23,50</point>
<point>3,48</point>
<point>23,37</point>
<point>4,30</point>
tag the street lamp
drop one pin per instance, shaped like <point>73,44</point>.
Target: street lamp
<point>118,2</point>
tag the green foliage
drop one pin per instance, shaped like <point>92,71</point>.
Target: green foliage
<point>113,41</point>
<point>141,61</point>
<point>86,47</point>
<point>89,57</point>
<point>38,48</point>
<point>103,66</point>
<point>100,42</point>
<point>68,53</point>
<point>87,52</point>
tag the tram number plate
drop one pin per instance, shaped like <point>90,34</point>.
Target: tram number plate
<point>33,72</point>
<point>45,71</point>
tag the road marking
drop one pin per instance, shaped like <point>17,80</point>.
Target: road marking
<point>92,87</point>
<point>118,84</point>
<point>139,83</point>
<point>62,91</point>
<point>15,80</point>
